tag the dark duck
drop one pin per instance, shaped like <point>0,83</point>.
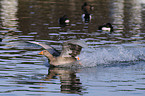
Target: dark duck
<point>1,39</point>
<point>87,9</point>
<point>64,21</point>
<point>106,27</point>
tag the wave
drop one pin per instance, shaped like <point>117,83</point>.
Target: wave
<point>109,55</point>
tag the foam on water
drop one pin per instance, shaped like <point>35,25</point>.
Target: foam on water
<point>108,55</point>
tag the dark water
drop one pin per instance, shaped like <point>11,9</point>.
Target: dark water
<point>113,64</point>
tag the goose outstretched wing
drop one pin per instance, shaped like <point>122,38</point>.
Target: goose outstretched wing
<point>72,48</point>
<point>52,50</point>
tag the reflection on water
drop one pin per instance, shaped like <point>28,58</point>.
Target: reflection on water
<point>69,82</point>
<point>8,13</point>
<point>127,24</point>
<point>22,71</point>
<point>66,78</point>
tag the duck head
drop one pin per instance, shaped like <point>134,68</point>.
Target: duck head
<point>108,25</point>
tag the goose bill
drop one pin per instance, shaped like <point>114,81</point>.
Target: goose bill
<point>41,53</point>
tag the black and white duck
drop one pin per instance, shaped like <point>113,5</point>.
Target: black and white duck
<point>64,21</point>
<point>106,27</point>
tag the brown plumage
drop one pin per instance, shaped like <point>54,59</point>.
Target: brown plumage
<point>70,50</point>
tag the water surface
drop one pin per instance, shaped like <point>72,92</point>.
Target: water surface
<point>113,64</point>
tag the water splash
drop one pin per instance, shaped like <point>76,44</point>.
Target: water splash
<point>107,55</point>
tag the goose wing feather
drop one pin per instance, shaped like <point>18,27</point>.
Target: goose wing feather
<point>72,48</point>
<point>52,50</point>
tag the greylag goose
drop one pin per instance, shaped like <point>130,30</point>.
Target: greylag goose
<point>70,50</point>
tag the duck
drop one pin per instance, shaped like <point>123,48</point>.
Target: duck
<point>64,20</point>
<point>106,27</point>
<point>69,54</point>
<point>1,39</point>
<point>87,9</point>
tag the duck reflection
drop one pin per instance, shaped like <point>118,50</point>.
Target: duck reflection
<point>70,83</point>
<point>1,39</point>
